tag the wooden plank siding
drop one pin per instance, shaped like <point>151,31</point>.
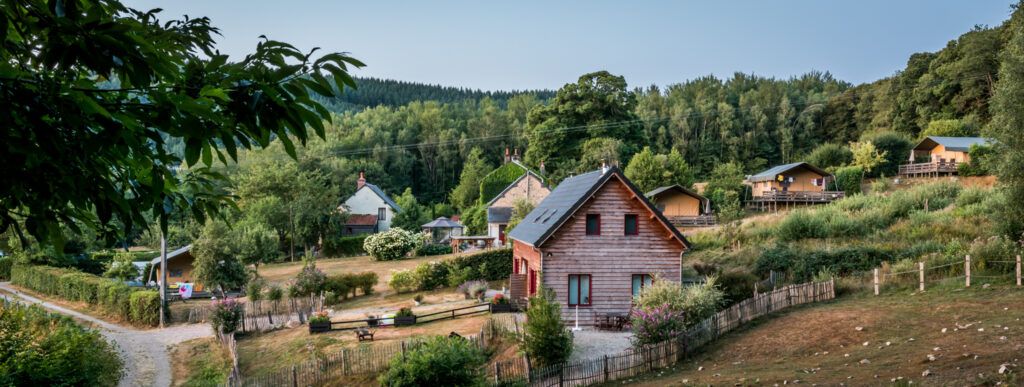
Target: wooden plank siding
<point>611,258</point>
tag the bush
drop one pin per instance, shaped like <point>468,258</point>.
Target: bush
<point>440,361</point>
<point>471,288</point>
<point>365,281</point>
<point>254,290</point>
<point>121,268</point>
<point>654,325</point>
<point>274,293</point>
<point>112,296</point>
<point>145,307</point>
<point>44,349</point>
<point>490,265</point>
<point>226,315</point>
<point>737,286</point>
<point>433,249</point>
<point>458,277</point>
<point>5,268</point>
<point>345,246</point>
<point>391,245</point>
<point>309,281</point>
<point>431,275</point>
<point>803,265</point>
<point>802,224</point>
<point>848,180</point>
<point>544,337</point>
<point>402,281</point>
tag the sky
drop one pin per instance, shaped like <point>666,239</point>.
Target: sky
<point>518,45</point>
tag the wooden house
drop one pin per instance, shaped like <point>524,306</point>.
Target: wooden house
<point>792,183</point>
<point>936,155</point>
<point>529,186</point>
<point>370,200</point>
<point>682,206</point>
<point>595,241</point>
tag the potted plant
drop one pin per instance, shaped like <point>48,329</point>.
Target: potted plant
<point>404,317</point>
<point>500,304</point>
<point>418,299</point>
<point>319,322</point>
<point>372,320</point>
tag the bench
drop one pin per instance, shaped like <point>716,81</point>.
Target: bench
<point>364,334</point>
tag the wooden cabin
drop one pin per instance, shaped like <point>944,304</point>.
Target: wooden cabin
<point>595,241</point>
<point>791,184</point>
<point>682,207</point>
<point>936,155</point>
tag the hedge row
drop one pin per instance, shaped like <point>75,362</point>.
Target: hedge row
<point>345,284</point>
<point>488,265</point>
<point>138,306</point>
<point>497,263</point>
<point>5,268</point>
<point>345,246</point>
<point>108,256</point>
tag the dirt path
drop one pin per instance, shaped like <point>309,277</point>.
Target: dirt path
<point>144,351</point>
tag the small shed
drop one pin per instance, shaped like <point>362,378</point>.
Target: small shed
<point>442,229</point>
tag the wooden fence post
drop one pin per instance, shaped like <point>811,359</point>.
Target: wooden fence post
<point>497,373</point>
<point>344,365</point>
<point>529,373</point>
<point>921,270</point>
<point>403,349</point>
<point>876,281</point>
<point>295,378</point>
<point>561,375</point>
<point>605,368</point>
<point>967,270</point>
<point>1018,269</point>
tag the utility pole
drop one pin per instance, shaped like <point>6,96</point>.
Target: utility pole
<point>163,277</point>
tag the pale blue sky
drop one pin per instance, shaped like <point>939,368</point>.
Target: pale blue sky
<point>545,44</point>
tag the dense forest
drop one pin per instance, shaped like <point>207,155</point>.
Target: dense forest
<point>373,92</point>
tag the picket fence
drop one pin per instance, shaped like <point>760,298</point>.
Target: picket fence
<point>264,315</point>
<point>374,359</point>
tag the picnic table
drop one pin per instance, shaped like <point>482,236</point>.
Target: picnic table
<point>616,321</point>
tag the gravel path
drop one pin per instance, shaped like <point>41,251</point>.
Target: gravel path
<point>144,352</point>
<point>592,344</point>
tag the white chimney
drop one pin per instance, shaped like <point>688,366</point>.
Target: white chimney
<point>604,167</point>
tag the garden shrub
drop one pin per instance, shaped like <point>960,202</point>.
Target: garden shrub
<point>439,361</point>
<point>145,307</point>
<point>309,281</point>
<point>226,315</point>
<point>848,180</point>
<point>5,268</point>
<point>803,265</point>
<point>431,275</point>
<point>544,337</point>
<point>654,325</point>
<point>996,248</point>
<point>457,277</point>
<point>366,281</point>
<point>495,264</point>
<point>344,284</point>
<point>73,285</point>
<point>345,246</point>
<point>340,285</point>
<point>696,302</point>
<point>737,286</point>
<point>433,249</point>
<point>44,349</point>
<point>392,244</point>
<point>802,224</point>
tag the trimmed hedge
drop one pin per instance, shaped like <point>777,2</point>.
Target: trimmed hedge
<point>432,249</point>
<point>137,306</point>
<point>345,246</point>
<point>491,264</point>
<point>5,268</point>
<point>346,284</point>
<point>499,179</point>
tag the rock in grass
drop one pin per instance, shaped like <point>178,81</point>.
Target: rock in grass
<point>931,357</point>
<point>865,361</point>
<point>926,373</point>
<point>1003,369</point>
<point>859,329</point>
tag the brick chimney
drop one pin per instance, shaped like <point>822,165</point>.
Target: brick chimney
<point>507,156</point>
<point>361,182</point>
<point>515,155</point>
<point>542,171</point>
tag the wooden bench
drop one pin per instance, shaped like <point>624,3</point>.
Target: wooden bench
<point>364,334</point>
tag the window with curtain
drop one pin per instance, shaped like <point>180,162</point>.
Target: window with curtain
<point>641,281</point>
<point>593,224</point>
<point>579,290</point>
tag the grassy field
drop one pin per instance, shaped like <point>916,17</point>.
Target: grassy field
<point>199,362</point>
<point>970,333</point>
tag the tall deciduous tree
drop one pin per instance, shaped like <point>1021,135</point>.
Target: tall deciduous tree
<point>413,214</point>
<point>91,89</point>
<point>474,169</point>
<point>1007,120</point>
<point>216,265</point>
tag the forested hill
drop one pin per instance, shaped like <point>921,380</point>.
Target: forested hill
<point>374,92</point>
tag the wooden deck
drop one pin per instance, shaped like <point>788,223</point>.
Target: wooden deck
<point>692,221</point>
<point>934,169</point>
<point>798,196</point>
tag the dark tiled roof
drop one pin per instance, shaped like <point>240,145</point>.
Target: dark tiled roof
<point>499,214</point>
<point>771,172</point>
<point>565,199</point>
<point>442,222</point>
<point>384,196</point>
<point>676,188</point>
<point>953,144</point>
<point>361,220</point>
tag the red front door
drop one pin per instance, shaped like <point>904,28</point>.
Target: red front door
<point>533,282</point>
<point>501,234</point>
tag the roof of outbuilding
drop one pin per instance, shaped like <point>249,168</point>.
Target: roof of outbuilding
<point>770,173</point>
<point>566,199</point>
<point>175,253</point>
<point>442,222</point>
<point>676,188</point>
<point>953,144</point>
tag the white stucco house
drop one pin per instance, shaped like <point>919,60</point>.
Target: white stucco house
<point>370,200</point>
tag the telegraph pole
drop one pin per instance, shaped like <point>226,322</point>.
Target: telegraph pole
<point>163,277</point>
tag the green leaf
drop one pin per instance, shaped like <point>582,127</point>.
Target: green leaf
<point>207,156</point>
<point>193,146</point>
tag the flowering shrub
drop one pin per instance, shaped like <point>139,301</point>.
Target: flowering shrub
<point>401,281</point>
<point>698,301</point>
<point>320,317</point>
<point>654,325</point>
<point>226,314</point>
<point>499,299</point>
<point>392,244</point>
<point>404,312</point>
<point>309,281</point>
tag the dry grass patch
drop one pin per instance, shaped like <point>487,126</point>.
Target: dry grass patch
<point>199,362</point>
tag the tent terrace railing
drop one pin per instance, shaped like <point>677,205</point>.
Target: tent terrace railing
<point>692,221</point>
<point>799,196</point>
<point>928,168</point>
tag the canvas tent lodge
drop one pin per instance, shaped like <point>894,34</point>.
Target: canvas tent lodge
<point>179,269</point>
<point>682,206</point>
<point>941,154</point>
<point>791,184</point>
<point>595,241</point>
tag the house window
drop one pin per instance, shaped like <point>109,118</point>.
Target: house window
<point>579,290</point>
<point>593,224</point>
<point>632,225</point>
<point>382,214</point>
<point>641,281</point>
<point>174,273</point>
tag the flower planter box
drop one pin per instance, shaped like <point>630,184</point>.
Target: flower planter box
<point>405,321</point>
<point>319,327</point>
<point>501,308</point>
<point>372,322</point>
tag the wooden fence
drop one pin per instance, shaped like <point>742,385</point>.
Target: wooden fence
<point>635,361</point>
<point>922,273</point>
<point>420,318</point>
<point>366,360</point>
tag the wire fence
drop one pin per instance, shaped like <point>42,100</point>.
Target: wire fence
<point>957,270</point>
